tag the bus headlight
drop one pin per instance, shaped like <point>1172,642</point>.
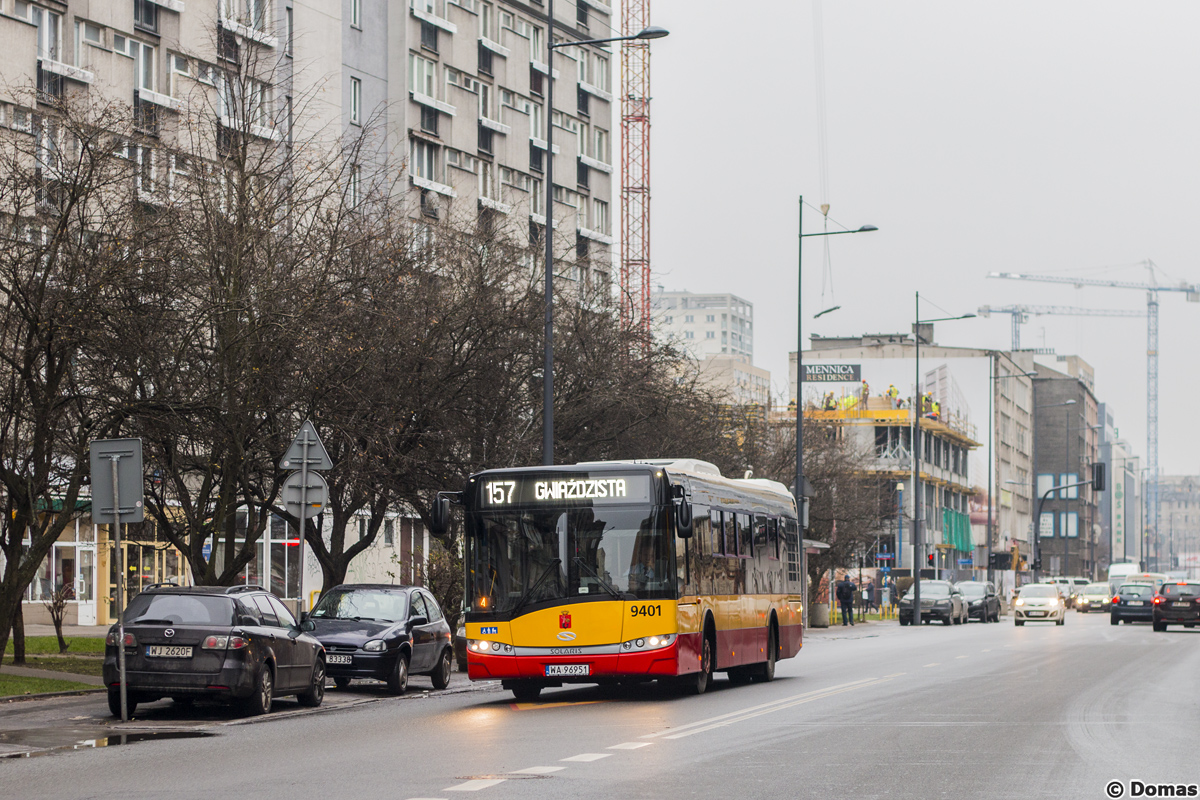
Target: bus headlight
<point>648,643</point>
<point>483,646</point>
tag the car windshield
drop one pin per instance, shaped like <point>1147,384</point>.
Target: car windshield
<point>179,609</point>
<point>1039,590</point>
<point>973,589</point>
<point>518,557</point>
<point>1137,590</point>
<point>932,590</point>
<point>362,604</point>
<point>1096,588</point>
<point>1179,589</point>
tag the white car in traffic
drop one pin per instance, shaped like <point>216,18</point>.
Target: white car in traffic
<point>1039,602</point>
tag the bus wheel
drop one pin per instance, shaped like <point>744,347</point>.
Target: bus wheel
<point>526,691</point>
<point>766,671</point>
<point>703,679</point>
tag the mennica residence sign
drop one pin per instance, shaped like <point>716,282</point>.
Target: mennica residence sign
<point>832,373</point>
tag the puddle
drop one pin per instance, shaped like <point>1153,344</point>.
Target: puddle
<point>50,742</point>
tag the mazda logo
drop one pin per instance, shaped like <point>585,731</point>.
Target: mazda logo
<point>566,636</point>
<point>169,632</point>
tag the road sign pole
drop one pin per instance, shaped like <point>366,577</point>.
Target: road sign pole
<point>301,524</point>
<point>120,589</point>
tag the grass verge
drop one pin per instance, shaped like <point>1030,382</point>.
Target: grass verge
<point>48,645</point>
<point>71,664</point>
<point>13,686</point>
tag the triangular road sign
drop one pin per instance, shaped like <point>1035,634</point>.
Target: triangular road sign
<point>306,448</point>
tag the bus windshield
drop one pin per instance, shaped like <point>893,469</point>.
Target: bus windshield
<point>520,557</point>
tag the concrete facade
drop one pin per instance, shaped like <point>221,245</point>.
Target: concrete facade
<point>705,324</point>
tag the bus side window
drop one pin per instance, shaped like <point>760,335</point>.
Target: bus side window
<point>773,539</point>
<point>733,522</point>
<point>791,542</point>
<point>746,536</point>
<point>718,532</point>
<point>760,535</point>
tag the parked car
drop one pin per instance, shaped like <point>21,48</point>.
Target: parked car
<point>383,632</point>
<point>1133,602</point>
<point>940,600</point>
<point>239,644</point>
<point>1176,604</point>
<point>982,601</point>
<point>1039,602</point>
<point>1093,597</point>
<point>460,647</point>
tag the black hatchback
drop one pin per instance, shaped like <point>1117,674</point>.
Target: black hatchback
<point>383,632</point>
<point>1133,602</point>
<point>239,644</point>
<point>1177,604</point>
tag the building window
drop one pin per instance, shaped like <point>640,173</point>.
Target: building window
<point>689,335</point>
<point>711,318</point>
<point>143,69</point>
<point>49,32</point>
<point>485,60</point>
<point>389,533</point>
<point>179,69</point>
<point>355,101</point>
<point>425,161</point>
<point>581,13</point>
<point>429,37</point>
<point>600,218</point>
<point>422,75</point>
<point>689,318</point>
<point>145,16</point>
<point>535,81</point>
<point>583,102</point>
<point>487,181</point>
<point>485,23</point>
<point>582,175</point>
<point>356,13</point>
<point>429,120</point>
<point>486,139</point>
<point>290,33</point>
<point>710,335</point>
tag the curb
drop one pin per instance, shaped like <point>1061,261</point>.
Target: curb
<point>17,698</point>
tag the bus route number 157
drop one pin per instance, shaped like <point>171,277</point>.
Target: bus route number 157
<point>645,611</point>
<point>499,492</point>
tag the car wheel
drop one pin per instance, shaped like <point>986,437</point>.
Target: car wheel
<point>1114,620</point>
<point>1159,626</point>
<point>948,621</point>
<point>1061,621</point>
<point>316,690</point>
<point>441,675</point>
<point>259,701</point>
<point>398,681</point>
<point>183,701</point>
<point>341,682</point>
<point>1018,622</point>
<point>904,622</point>
<point>526,691</point>
<point>114,703</point>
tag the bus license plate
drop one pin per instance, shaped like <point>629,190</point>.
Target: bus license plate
<point>168,651</point>
<point>567,670</point>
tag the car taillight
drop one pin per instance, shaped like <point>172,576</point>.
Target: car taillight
<point>1116,600</point>
<point>224,642</point>
<point>111,639</point>
<point>1157,599</point>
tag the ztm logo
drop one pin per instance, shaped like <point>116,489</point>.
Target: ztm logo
<point>564,620</point>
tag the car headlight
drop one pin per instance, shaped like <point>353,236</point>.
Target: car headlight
<point>648,642</point>
<point>1020,601</point>
<point>375,646</point>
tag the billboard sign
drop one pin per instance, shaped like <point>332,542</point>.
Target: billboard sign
<point>832,373</point>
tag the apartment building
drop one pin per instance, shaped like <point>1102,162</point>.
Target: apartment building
<point>449,92</point>
<point>1120,507</point>
<point>1177,545</point>
<point>705,324</point>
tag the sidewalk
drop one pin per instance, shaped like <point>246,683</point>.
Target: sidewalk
<point>69,631</point>
<point>49,674</point>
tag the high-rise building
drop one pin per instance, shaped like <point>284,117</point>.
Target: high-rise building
<point>709,324</point>
<point>450,91</point>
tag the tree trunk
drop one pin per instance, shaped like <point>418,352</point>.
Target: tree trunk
<point>18,634</point>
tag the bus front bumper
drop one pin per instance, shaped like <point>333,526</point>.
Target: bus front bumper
<point>662,662</point>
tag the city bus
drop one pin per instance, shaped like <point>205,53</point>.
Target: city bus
<point>626,571</point>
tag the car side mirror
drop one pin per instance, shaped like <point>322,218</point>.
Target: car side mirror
<point>307,625</point>
<point>418,620</point>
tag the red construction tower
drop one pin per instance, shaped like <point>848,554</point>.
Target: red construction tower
<point>635,168</point>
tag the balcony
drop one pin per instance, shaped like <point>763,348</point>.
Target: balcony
<point>436,17</point>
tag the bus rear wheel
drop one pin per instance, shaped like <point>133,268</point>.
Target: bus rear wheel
<point>765,672</point>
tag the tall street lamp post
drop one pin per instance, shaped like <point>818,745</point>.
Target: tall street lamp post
<point>652,32</point>
<point>917,408</point>
<point>798,491</point>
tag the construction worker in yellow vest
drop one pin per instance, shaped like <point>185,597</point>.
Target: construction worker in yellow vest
<point>893,395</point>
<point>829,404</point>
<point>937,410</point>
<point>864,393</point>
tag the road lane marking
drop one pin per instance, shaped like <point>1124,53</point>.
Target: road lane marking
<point>538,770</point>
<point>962,656</point>
<point>745,716</point>
<point>536,706</point>
<point>474,785</point>
<point>630,745</point>
<point>587,757</point>
<point>895,675</point>
<point>711,720</point>
<point>934,664</point>
<point>986,651</point>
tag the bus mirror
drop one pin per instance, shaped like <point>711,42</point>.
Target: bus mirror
<point>439,516</point>
<point>683,518</point>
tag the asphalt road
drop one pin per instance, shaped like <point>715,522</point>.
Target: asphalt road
<point>872,711</point>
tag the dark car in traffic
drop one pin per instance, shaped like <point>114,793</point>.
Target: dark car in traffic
<point>982,601</point>
<point>383,632</point>
<point>1176,603</point>
<point>940,600</point>
<point>239,644</point>
<point>1133,602</point>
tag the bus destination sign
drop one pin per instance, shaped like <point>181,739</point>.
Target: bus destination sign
<point>599,489</point>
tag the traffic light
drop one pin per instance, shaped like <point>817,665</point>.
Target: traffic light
<point>929,559</point>
<point>999,561</point>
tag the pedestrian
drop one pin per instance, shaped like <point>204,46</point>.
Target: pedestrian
<point>872,605</point>
<point>845,598</point>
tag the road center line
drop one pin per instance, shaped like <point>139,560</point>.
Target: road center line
<point>630,745</point>
<point>751,715</point>
<point>794,697</point>
<point>934,664</point>
<point>962,656</point>
<point>474,785</point>
<point>587,757</point>
<point>537,770</point>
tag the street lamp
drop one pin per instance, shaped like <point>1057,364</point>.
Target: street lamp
<point>799,488</point>
<point>917,407</point>
<point>652,32</point>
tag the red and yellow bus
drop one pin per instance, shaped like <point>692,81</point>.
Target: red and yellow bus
<point>627,570</point>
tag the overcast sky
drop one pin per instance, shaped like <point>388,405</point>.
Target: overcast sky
<point>1018,136</point>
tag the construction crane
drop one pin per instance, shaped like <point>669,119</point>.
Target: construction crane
<point>1021,314</point>
<point>635,168</point>
<point>1152,288</point>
